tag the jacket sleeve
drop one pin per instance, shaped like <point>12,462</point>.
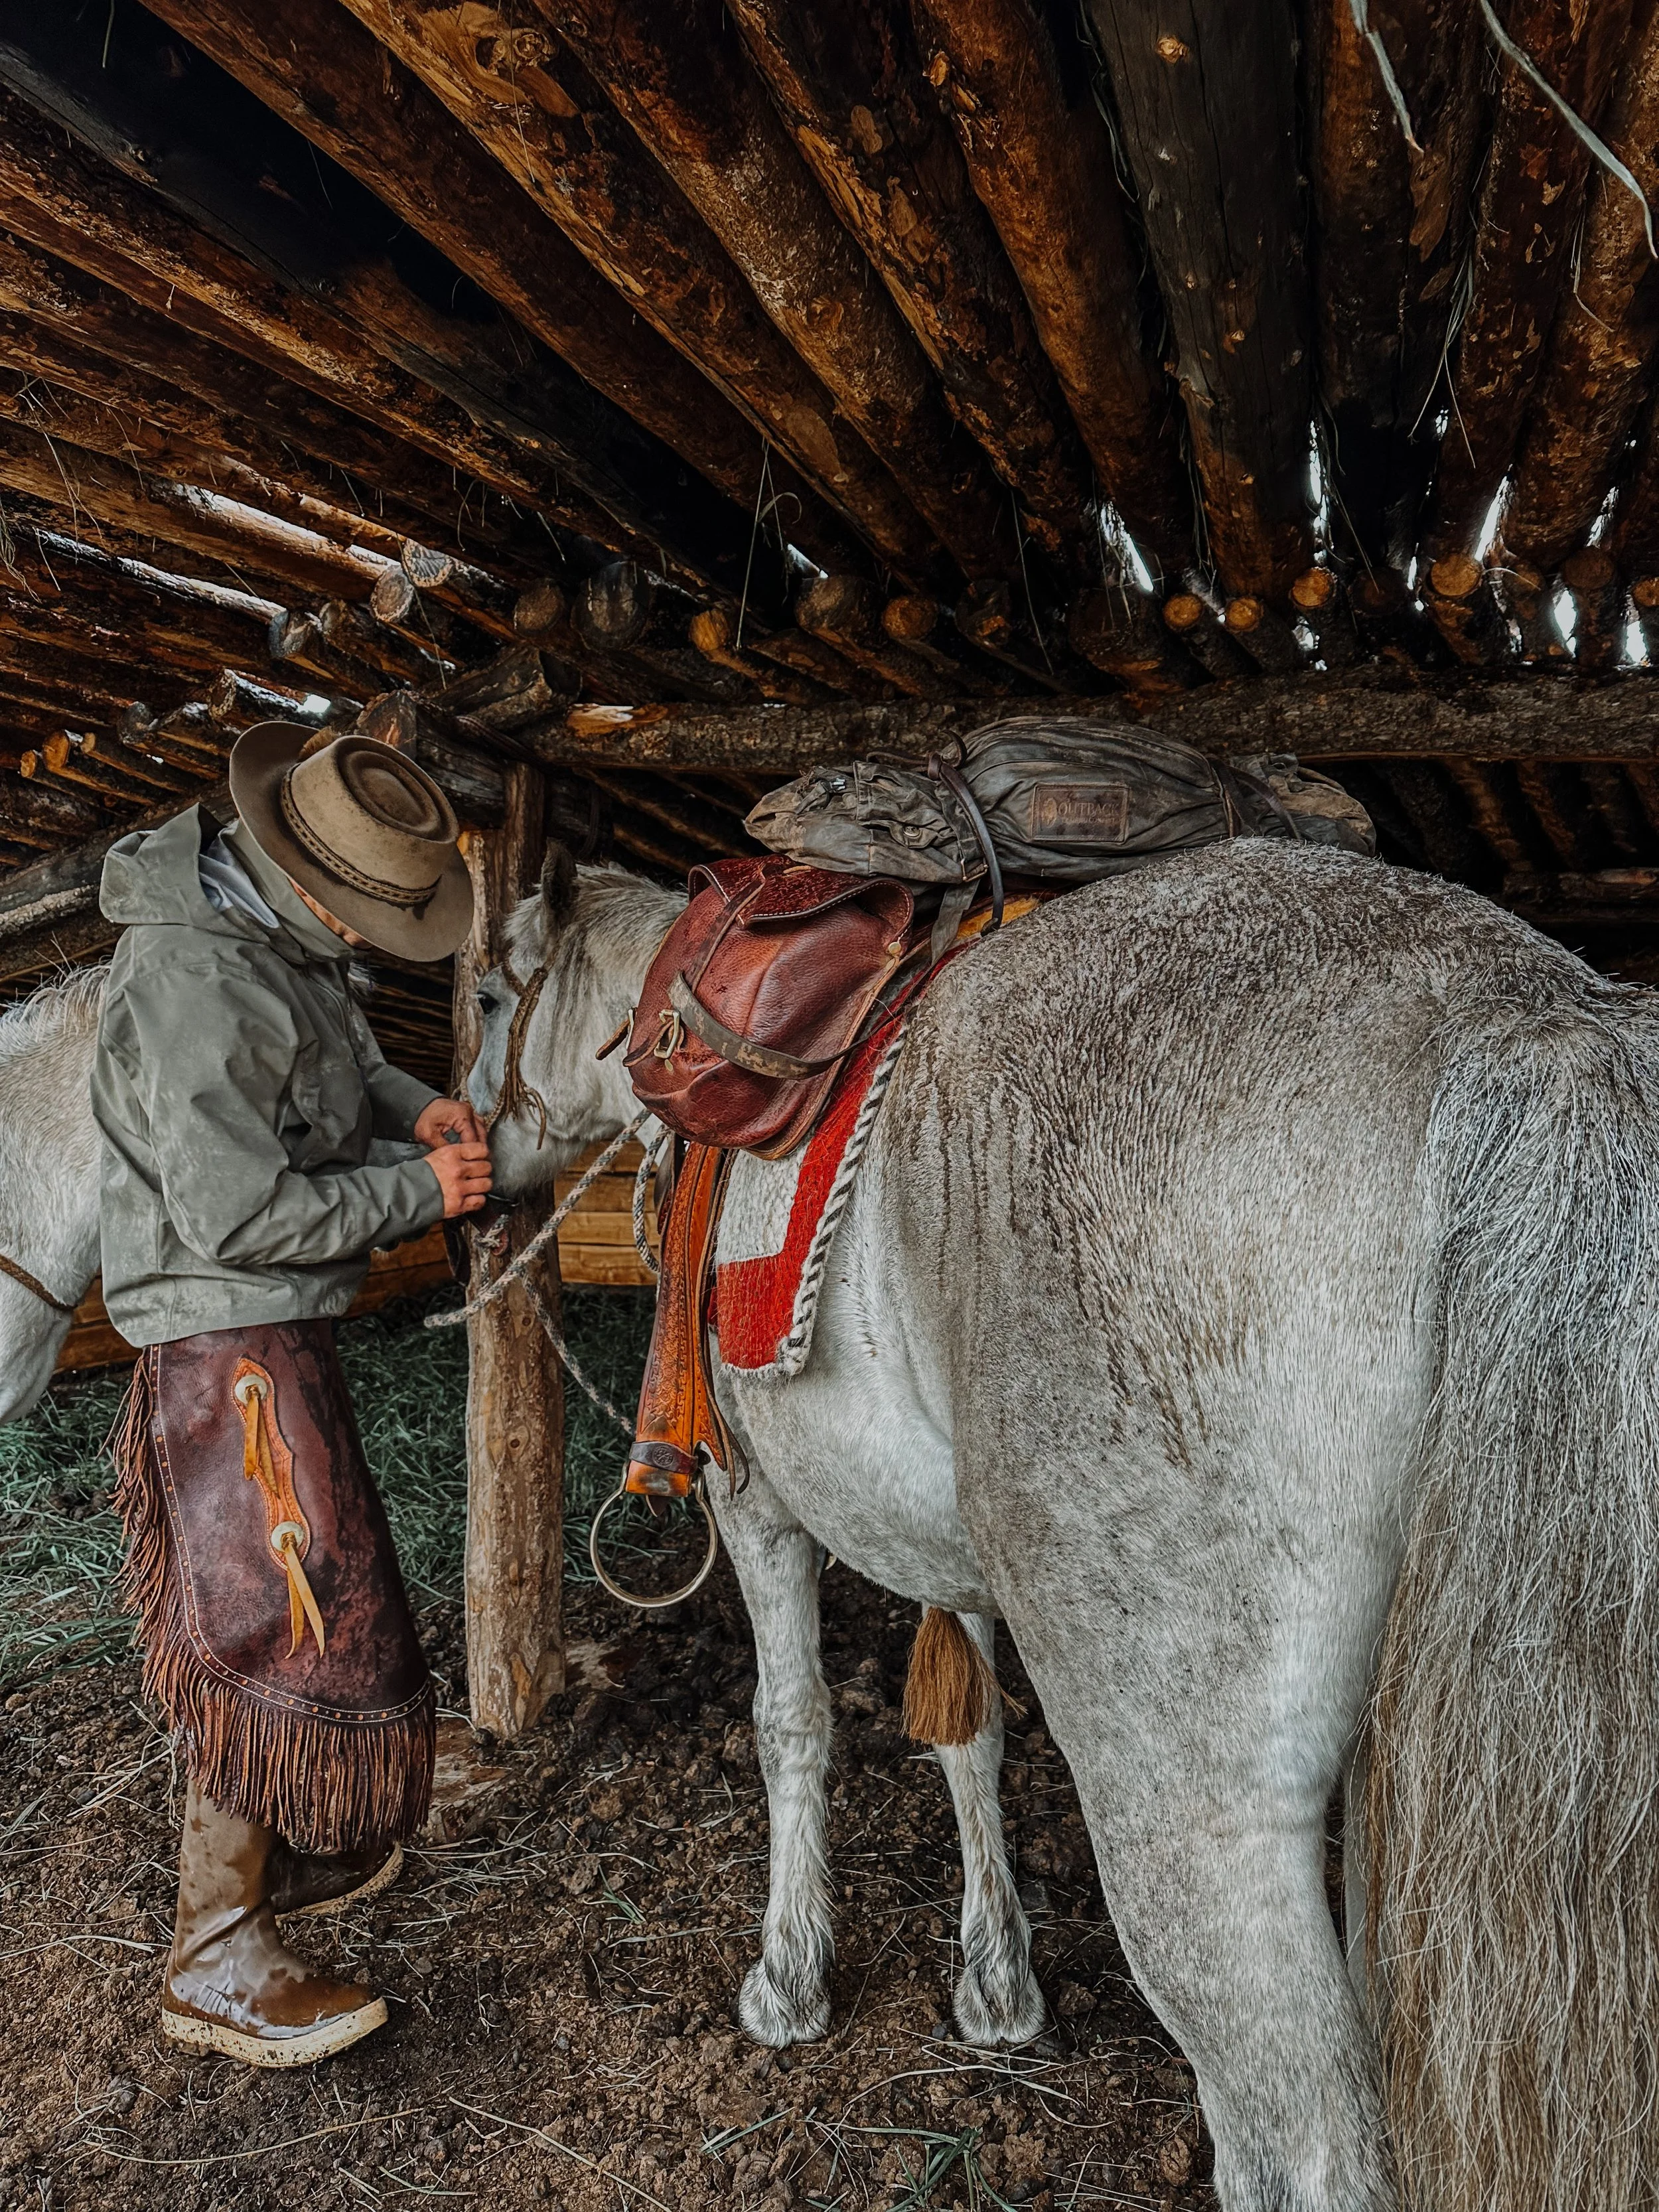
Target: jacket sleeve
<point>216,1055</point>
<point>398,1099</point>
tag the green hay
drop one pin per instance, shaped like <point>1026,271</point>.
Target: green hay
<point>60,1544</point>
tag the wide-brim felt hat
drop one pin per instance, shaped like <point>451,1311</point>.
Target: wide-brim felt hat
<point>363,828</point>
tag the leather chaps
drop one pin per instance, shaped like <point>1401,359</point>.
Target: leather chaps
<point>277,1638</point>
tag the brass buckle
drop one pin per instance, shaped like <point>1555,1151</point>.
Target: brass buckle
<point>627,1596</point>
<point>670,1034</point>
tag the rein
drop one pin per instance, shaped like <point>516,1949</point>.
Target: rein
<point>20,1274</point>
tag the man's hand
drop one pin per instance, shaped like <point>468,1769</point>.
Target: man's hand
<point>444,1114</point>
<point>462,1173</point>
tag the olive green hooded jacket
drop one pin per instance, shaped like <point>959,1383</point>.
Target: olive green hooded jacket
<point>238,1090</point>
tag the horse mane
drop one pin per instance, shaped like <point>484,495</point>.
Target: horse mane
<point>614,918</point>
<point>68,1008</point>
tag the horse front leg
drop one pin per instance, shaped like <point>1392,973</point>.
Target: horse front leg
<point>997,1999</point>
<point>785,1997</point>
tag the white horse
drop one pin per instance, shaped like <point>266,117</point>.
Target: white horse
<point>1250,1295</point>
<point>48,1177</point>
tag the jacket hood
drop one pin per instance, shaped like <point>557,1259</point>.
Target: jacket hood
<point>153,876</point>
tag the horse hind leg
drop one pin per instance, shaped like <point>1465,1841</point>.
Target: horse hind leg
<point>785,1997</point>
<point>997,2000</point>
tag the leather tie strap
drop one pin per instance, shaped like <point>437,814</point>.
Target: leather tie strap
<point>21,1275</point>
<point>267,1461</point>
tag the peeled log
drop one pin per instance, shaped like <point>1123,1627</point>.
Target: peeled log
<point>1040,161</point>
<point>329,77</point>
<point>68,203</point>
<point>90,336</point>
<point>847,78</point>
<point>1603,341</point>
<point>1390,236</point>
<point>454,583</point>
<point>515,1401</point>
<point>1531,201</point>
<point>489,366</point>
<point>1207,102</point>
<point>129,416</point>
<point>706,117</point>
<point>625,615</point>
<point>235,536</point>
<point>551,127</point>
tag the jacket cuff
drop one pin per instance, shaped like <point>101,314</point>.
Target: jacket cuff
<point>414,1203</point>
<point>398,1100</point>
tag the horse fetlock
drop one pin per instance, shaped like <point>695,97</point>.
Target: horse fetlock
<point>997,1999</point>
<point>784,2001</point>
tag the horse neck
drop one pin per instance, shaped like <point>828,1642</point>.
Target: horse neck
<point>617,945</point>
<point>49,1154</point>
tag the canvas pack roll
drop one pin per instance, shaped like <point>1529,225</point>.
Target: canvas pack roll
<point>1064,800</point>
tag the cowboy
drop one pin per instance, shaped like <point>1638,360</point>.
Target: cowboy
<point>245,1112</point>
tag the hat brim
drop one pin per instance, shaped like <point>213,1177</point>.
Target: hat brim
<point>259,760</point>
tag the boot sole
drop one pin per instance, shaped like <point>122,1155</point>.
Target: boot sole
<point>325,1908</point>
<point>320,2042</point>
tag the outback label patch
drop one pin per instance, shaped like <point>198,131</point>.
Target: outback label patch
<point>1080,813</point>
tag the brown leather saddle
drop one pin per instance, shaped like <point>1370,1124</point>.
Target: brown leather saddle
<point>758,992</point>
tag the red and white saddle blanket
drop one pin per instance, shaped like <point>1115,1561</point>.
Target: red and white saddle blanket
<point>771,1266</point>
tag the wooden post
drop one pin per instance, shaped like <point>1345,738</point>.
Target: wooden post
<point>515,1395</point>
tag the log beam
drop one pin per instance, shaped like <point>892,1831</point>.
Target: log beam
<point>88,337</point>
<point>1531,201</point>
<point>543,116</point>
<point>1206,97</point>
<point>1039,159</point>
<point>226,534</point>
<point>1390,234</point>
<point>1372,711</point>
<point>445,387</point>
<point>329,78</point>
<point>1603,342</point>
<point>705,116</point>
<point>515,1400</point>
<point>847,80</point>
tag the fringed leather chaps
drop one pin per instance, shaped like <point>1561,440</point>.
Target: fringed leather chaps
<point>277,1638</point>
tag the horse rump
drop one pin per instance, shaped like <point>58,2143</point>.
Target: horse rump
<point>1512,1812</point>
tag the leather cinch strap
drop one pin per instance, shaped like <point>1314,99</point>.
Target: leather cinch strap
<point>677,1412</point>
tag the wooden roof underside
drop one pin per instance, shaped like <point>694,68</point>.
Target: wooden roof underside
<point>672,395</point>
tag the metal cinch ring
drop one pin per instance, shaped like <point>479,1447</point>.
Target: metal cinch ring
<point>652,1604</point>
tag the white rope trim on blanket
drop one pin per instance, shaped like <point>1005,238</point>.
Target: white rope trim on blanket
<point>793,1348</point>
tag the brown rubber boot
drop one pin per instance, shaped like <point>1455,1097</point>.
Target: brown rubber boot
<point>306,1886</point>
<point>231,1986</point>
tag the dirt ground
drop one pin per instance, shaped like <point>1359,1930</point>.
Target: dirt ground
<point>560,1971</point>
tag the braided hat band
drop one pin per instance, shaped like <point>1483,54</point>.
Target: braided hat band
<point>337,863</point>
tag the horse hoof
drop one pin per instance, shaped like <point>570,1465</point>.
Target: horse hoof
<point>768,2015</point>
<point>985,2024</point>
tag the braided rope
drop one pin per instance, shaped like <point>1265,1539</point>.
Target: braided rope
<point>514,1270</point>
<point>641,1185</point>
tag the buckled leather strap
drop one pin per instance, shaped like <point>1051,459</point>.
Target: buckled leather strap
<point>742,1051</point>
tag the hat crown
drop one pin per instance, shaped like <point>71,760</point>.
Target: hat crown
<point>368,814</point>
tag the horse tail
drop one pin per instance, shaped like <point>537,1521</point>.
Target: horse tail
<point>1512,1804</point>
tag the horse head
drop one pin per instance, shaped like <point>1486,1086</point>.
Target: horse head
<point>576,953</point>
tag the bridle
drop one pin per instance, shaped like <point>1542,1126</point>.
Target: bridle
<point>21,1274</point>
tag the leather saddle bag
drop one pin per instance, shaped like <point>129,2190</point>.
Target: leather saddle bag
<point>755,995</point>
